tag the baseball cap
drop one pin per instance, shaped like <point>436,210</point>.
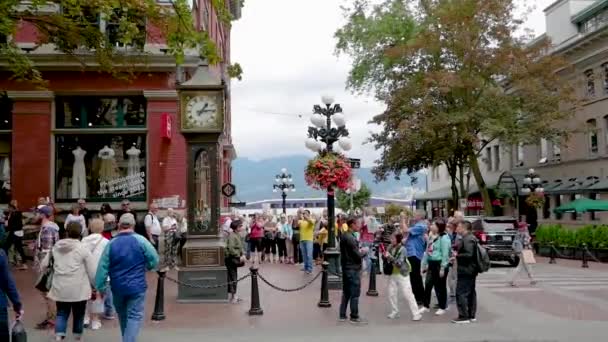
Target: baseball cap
<point>127,220</point>
<point>45,210</point>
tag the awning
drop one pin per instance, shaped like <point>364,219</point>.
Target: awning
<point>601,184</point>
<point>582,205</point>
<point>439,194</point>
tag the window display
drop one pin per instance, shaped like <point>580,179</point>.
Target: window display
<point>100,167</point>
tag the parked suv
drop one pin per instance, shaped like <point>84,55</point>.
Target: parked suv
<point>496,234</point>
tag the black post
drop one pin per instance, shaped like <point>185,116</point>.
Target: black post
<point>284,195</point>
<point>371,291</point>
<point>552,254</point>
<point>324,302</point>
<point>332,254</point>
<point>159,303</point>
<point>255,309</point>
<point>585,251</point>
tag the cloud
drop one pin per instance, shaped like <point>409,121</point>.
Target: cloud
<point>286,48</point>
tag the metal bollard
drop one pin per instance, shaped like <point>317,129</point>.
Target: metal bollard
<point>585,251</point>
<point>159,302</point>
<point>371,291</point>
<point>552,254</point>
<point>255,309</point>
<point>324,302</point>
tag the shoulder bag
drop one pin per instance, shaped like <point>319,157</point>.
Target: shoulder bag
<point>45,280</point>
<point>388,264</point>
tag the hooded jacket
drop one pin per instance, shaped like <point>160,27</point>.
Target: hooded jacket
<point>95,243</point>
<point>74,271</point>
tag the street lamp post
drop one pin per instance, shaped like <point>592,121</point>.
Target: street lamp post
<point>322,133</point>
<point>532,183</point>
<point>284,184</point>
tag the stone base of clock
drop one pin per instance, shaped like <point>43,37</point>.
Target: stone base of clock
<point>202,266</point>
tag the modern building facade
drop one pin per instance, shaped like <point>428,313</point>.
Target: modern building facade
<point>578,166</point>
<point>90,135</point>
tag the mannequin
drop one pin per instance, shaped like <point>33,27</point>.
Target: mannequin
<point>106,168</point>
<point>133,167</point>
<point>79,174</point>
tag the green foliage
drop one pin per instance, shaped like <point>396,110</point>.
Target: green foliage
<point>592,235</point>
<point>74,30</point>
<point>600,237</point>
<point>566,238</point>
<point>585,235</point>
<point>360,198</point>
<point>391,210</point>
<point>546,234</point>
<point>449,73</point>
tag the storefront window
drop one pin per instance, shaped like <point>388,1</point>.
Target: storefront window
<point>100,167</point>
<point>101,112</point>
<point>5,168</point>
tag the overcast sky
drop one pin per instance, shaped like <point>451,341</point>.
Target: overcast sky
<point>286,48</point>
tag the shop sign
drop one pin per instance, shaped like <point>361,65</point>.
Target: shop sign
<point>477,203</point>
<point>123,187</point>
<point>167,202</point>
<point>166,126</point>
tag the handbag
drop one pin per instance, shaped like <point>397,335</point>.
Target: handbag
<point>528,256</point>
<point>18,333</point>
<point>45,280</point>
<point>236,261</point>
<point>388,264</point>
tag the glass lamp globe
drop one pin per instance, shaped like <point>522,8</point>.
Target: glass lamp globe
<point>317,120</point>
<point>327,100</point>
<point>339,119</point>
<point>311,144</point>
<point>345,143</point>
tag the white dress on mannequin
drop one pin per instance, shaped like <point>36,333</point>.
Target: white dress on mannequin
<point>133,167</point>
<point>106,168</point>
<point>79,174</point>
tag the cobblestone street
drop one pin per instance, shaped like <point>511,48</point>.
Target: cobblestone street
<point>568,304</point>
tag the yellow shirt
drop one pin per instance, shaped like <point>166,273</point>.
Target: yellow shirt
<point>307,230</point>
<point>322,236</point>
<point>344,228</point>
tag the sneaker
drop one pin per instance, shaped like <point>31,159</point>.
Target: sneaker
<point>533,282</point>
<point>358,321</point>
<point>108,317</point>
<point>342,319</point>
<point>96,325</point>
<point>416,317</point>
<point>423,310</point>
<point>473,320</point>
<point>87,322</point>
<point>440,312</point>
<point>461,321</point>
<point>393,315</point>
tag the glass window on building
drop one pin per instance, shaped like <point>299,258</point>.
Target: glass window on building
<point>605,79</point>
<point>590,83</point>
<point>543,151</point>
<point>606,132</point>
<point>100,112</point>
<point>558,202</point>
<point>488,158</point>
<point>592,136</point>
<point>6,124</point>
<point>496,158</point>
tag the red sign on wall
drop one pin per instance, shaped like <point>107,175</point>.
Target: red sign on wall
<point>166,128</point>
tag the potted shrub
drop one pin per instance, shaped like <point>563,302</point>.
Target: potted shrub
<point>567,243</point>
<point>583,236</point>
<point>600,243</point>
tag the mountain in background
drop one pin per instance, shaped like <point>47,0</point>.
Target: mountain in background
<point>254,180</point>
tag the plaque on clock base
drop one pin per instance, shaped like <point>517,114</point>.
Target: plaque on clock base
<point>203,265</point>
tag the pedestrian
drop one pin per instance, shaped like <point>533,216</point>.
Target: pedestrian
<point>295,238</point>
<point>109,226</point>
<point>125,260</point>
<point>168,242</point>
<point>415,245</point>
<point>74,269</point>
<point>15,233</point>
<point>109,229</point>
<point>284,234</point>
<point>398,280</point>
<point>270,241</point>
<point>76,216</point>
<point>182,227</point>
<point>95,243</point>
<point>351,257</point>
<point>435,265</point>
<point>84,211</point>
<point>452,274</point>
<point>307,228</point>
<point>320,245</point>
<point>106,209</point>
<point>521,243</point>
<point>235,258</point>
<point>47,237</point>
<point>256,236</point>
<point>8,289</point>
<point>153,226</point>
<point>466,295</point>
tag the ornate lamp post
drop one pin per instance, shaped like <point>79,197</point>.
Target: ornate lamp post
<point>532,183</point>
<point>284,184</point>
<point>321,137</point>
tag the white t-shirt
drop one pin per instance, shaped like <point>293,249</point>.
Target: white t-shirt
<point>183,226</point>
<point>169,223</point>
<point>151,222</point>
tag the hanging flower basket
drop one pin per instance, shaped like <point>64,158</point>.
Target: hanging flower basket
<point>535,200</point>
<point>328,169</point>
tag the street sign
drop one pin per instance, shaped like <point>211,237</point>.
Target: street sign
<point>228,189</point>
<point>355,163</point>
<point>238,204</point>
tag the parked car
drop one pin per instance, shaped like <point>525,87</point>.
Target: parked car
<point>496,234</point>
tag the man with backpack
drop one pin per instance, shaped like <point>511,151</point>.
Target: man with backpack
<point>468,268</point>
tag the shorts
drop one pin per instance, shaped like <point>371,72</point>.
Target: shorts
<point>255,245</point>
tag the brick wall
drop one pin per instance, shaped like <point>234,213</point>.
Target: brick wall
<point>31,155</point>
<point>167,166</point>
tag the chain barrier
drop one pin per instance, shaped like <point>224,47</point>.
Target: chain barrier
<point>586,250</point>
<point>216,286</point>
<point>290,290</point>
<point>557,253</point>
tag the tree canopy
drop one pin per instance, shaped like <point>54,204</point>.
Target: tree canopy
<point>72,26</point>
<point>460,77</point>
<point>360,199</point>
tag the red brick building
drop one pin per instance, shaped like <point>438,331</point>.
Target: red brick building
<point>94,136</point>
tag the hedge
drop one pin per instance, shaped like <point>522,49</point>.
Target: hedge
<point>595,236</point>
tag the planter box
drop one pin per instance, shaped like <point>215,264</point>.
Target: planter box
<point>578,253</point>
<point>566,252</point>
<point>600,254</point>
<point>544,251</point>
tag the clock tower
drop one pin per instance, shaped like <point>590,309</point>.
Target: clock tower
<point>202,110</point>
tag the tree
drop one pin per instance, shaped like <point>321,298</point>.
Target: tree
<point>391,210</point>
<point>463,79</point>
<point>360,199</point>
<point>72,27</point>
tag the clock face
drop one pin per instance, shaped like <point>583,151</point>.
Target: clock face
<point>202,111</point>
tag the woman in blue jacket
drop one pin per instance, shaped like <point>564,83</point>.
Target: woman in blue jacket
<point>7,289</point>
<point>435,265</point>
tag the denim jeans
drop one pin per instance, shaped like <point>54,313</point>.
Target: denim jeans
<point>77,309</point>
<point>368,256</point>
<point>108,305</point>
<point>351,290</point>
<point>130,311</point>
<point>307,247</point>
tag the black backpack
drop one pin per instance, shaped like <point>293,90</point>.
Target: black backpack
<point>482,259</point>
